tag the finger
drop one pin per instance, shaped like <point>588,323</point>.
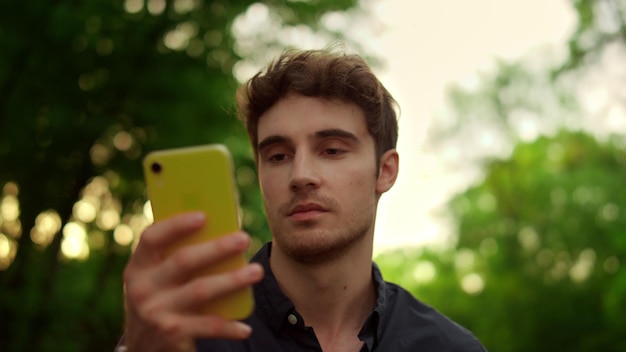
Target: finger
<point>207,288</point>
<point>179,329</point>
<point>158,236</point>
<point>183,263</point>
<point>213,327</point>
<point>203,289</point>
<point>178,333</point>
<point>144,282</point>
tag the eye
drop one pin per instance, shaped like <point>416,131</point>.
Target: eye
<point>275,158</point>
<point>333,152</point>
<point>276,154</point>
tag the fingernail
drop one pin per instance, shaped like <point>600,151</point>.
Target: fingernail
<point>254,270</point>
<point>196,217</point>
<point>239,238</point>
<point>244,328</point>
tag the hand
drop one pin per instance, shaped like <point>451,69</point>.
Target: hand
<point>163,296</point>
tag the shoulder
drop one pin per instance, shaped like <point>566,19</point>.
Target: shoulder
<point>409,323</point>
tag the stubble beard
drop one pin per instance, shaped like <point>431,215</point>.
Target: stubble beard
<point>309,243</point>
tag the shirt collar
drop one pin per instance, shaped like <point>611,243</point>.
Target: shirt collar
<point>274,307</point>
<point>372,330</point>
<point>272,303</point>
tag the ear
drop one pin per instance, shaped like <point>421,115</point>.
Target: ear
<point>387,171</point>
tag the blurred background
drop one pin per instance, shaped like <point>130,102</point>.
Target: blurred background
<point>509,213</point>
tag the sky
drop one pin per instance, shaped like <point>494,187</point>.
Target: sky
<point>426,45</point>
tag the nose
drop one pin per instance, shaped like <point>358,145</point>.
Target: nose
<point>304,173</point>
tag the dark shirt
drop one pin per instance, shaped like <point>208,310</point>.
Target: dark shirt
<point>398,323</point>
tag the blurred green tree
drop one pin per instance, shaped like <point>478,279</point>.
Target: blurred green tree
<point>536,261</point>
<point>538,265</point>
<point>86,89</point>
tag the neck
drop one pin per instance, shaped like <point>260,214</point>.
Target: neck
<point>334,297</point>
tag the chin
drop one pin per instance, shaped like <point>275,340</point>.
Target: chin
<point>318,247</point>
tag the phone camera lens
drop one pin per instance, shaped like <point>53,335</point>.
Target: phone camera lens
<point>156,167</point>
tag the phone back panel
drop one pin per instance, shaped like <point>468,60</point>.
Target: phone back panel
<point>200,179</point>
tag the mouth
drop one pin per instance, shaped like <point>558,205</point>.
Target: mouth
<point>308,211</point>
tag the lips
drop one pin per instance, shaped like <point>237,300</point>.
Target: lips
<point>303,208</point>
<point>308,211</point>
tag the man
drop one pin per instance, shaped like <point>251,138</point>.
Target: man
<point>323,130</point>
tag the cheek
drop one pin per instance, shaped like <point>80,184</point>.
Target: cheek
<point>358,182</point>
<point>270,186</point>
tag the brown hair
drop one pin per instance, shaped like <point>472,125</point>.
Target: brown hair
<point>324,74</point>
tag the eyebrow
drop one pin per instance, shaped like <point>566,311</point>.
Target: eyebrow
<point>338,133</point>
<point>271,140</point>
<point>329,133</point>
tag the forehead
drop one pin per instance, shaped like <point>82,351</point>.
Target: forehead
<point>297,115</point>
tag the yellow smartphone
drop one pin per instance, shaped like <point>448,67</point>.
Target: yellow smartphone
<point>200,178</point>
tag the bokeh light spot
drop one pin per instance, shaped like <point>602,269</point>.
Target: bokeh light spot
<point>47,224</point>
<point>184,6</point>
<point>8,250</point>
<point>424,271</point>
<point>246,176</point>
<point>123,235</point>
<point>528,238</point>
<point>123,140</point>
<point>133,6</point>
<point>156,7</point>
<point>472,284</point>
<point>9,208</point>
<point>108,219</point>
<point>581,270</point>
<point>464,260</point>
<point>85,210</point>
<point>74,245</point>
<point>147,211</point>
<point>5,246</point>
<point>10,188</point>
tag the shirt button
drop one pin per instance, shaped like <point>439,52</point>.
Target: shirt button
<point>293,320</point>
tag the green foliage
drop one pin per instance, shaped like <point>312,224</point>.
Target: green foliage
<point>87,88</point>
<point>600,24</point>
<point>539,261</point>
<point>554,215</point>
<point>538,264</point>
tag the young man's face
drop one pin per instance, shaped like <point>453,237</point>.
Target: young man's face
<point>318,175</point>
